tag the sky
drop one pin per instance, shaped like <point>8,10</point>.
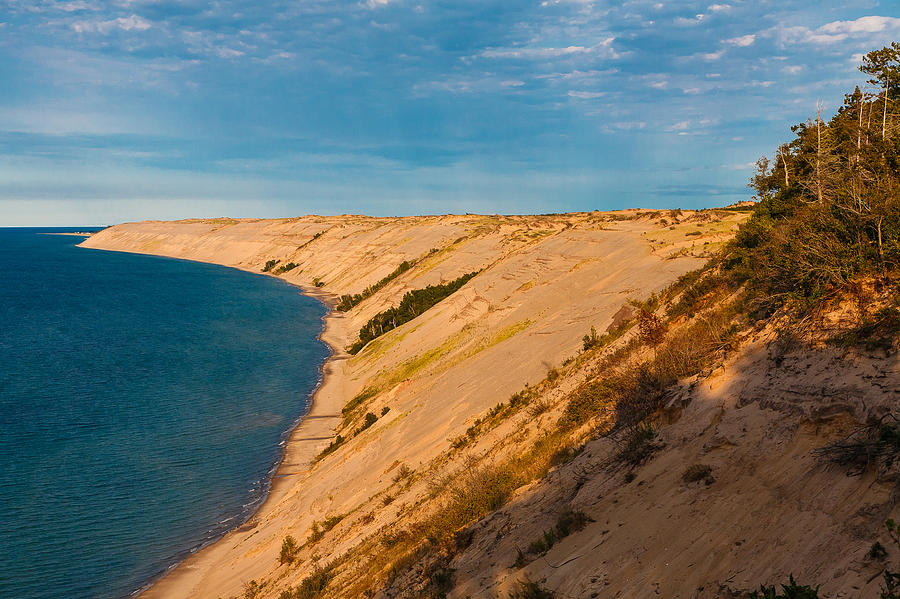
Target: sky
<point>120,110</point>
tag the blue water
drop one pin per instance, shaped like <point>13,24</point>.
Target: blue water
<point>143,401</point>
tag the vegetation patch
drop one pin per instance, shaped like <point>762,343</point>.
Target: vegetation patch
<point>285,268</point>
<point>791,590</point>
<point>349,301</point>
<point>312,586</point>
<point>698,473</point>
<point>413,304</point>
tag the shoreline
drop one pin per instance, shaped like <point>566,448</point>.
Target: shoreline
<point>297,452</point>
<point>301,445</point>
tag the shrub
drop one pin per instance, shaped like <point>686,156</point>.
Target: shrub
<point>312,586</point>
<point>531,590</point>
<point>403,471</point>
<point>335,443</point>
<point>639,445</point>
<point>568,522</point>
<point>792,590</point>
<point>571,521</point>
<point>349,301</point>
<point>315,533</point>
<point>477,491</point>
<point>698,473</point>
<point>590,340</point>
<point>270,264</point>
<point>289,550</point>
<point>252,590</point>
<point>544,543</point>
<point>369,421</point>
<point>358,400</point>
<point>285,267</point>
<point>413,304</point>
<point>331,521</point>
<point>385,410</point>
<point>877,551</point>
<point>318,282</point>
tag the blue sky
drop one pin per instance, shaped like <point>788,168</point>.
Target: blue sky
<point>137,109</point>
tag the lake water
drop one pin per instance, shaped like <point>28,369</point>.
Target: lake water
<point>143,404</point>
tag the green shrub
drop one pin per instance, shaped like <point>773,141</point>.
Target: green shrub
<point>315,533</point>
<point>369,421</point>
<point>289,550</point>
<point>792,590</point>
<point>403,471</point>
<point>313,586</point>
<point>590,340</point>
<point>413,304</point>
<point>358,400</point>
<point>349,301</point>
<point>337,442</point>
<point>285,267</point>
<point>639,445</point>
<point>270,264</point>
<point>877,551</point>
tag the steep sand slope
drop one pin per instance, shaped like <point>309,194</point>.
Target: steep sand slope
<point>772,509</point>
<point>545,282</point>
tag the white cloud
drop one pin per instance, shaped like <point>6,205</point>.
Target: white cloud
<point>584,95</point>
<point>718,7</point>
<point>742,41</point>
<point>131,23</point>
<point>224,52</point>
<point>713,55</point>
<point>837,31</point>
<point>603,49</point>
<point>684,21</point>
<point>870,24</point>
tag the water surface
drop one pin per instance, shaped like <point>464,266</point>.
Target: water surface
<point>142,404</point>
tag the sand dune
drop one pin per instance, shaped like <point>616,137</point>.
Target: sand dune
<point>544,282</point>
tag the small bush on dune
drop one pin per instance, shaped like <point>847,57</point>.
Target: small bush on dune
<point>478,491</point>
<point>698,473</point>
<point>639,445</point>
<point>289,550</point>
<point>571,521</point>
<point>792,590</point>
<point>285,268</point>
<point>531,590</point>
<point>312,586</point>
